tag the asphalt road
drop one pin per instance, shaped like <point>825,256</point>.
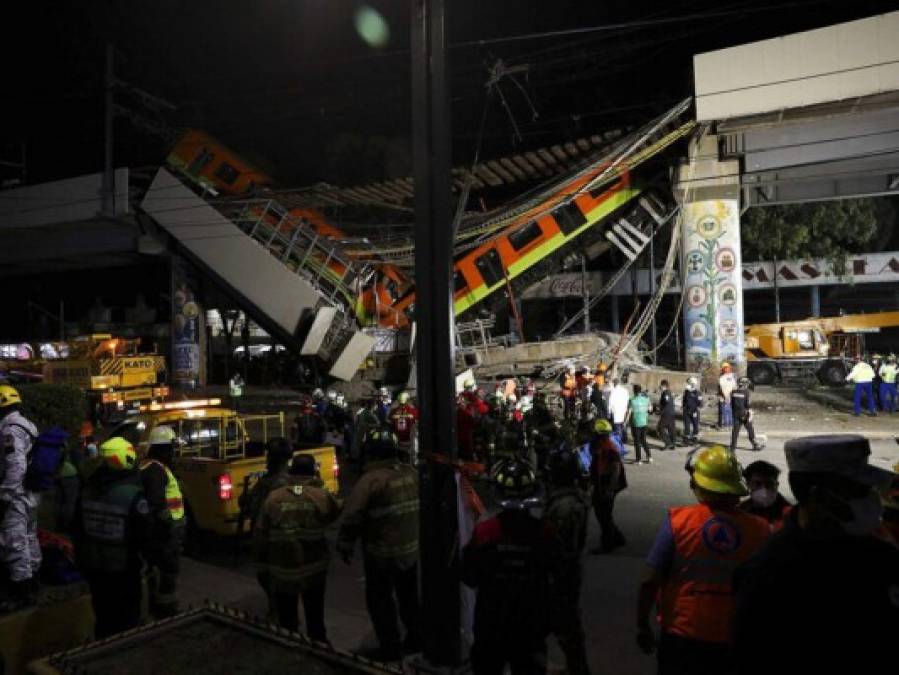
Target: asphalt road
<point>609,595</point>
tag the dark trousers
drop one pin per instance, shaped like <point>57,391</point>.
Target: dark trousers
<point>681,656</point>
<point>382,583</point>
<point>735,433</point>
<point>667,431</point>
<point>313,596</point>
<point>603,508</point>
<point>640,442</point>
<point>489,657</point>
<point>116,599</point>
<point>164,563</point>
<point>691,424</point>
<point>865,389</point>
<point>568,626</point>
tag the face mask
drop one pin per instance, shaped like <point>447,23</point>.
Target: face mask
<point>867,514</point>
<point>763,497</point>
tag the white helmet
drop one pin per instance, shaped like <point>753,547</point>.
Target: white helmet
<point>332,395</point>
<point>692,383</point>
<point>318,394</point>
<point>526,403</point>
<point>340,400</point>
<point>468,385</point>
<point>162,435</point>
<point>383,392</point>
<point>511,399</point>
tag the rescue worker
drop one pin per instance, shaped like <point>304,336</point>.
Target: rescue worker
<point>382,511</point>
<point>309,426</point>
<point>688,572</point>
<point>277,457</point>
<point>19,548</point>
<point>470,408</point>
<point>765,500</point>
<point>666,427</point>
<point>727,383</point>
<point>319,402</point>
<point>515,434</point>
<point>290,544</point>
<point>823,595</point>
<point>607,478</point>
<point>489,443</point>
<point>888,373</point>
<point>568,391</point>
<point>384,401</point>
<point>691,404</point>
<point>619,401</point>
<point>112,525</point>
<point>862,375</point>
<point>567,509</point>
<point>638,412</point>
<point>167,522</point>
<point>876,362</point>
<point>510,560</point>
<point>599,377</point>
<point>597,394</point>
<point>543,430</point>
<point>366,422</point>
<point>741,404</point>
<point>402,418</point>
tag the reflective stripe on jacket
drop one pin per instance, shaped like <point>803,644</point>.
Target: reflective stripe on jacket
<point>174,501</point>
<point>696,598</point>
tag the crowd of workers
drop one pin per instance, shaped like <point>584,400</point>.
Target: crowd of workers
<point>724,577</point>
<point>874,379</point>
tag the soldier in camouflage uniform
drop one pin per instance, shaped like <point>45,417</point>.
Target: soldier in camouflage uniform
<point>382,511</point>
<point>567,511</point>
<point>290,545</point>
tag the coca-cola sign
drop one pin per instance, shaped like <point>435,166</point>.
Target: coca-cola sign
<point>570,285</point>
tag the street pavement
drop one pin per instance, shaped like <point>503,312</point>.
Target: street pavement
<point>610,581</point>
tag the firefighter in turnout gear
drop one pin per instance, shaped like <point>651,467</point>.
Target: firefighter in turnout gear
<point>19,548</point>
<point>510,560</point>
<point>543,430</point>
<point>382,511</point>
<point>567,510</point>
<point>690,567</point>
<point>112,523</point>
<point>163,494</point>
<point>290,544</point>
<point>488,435</point>
<point>402,418</point>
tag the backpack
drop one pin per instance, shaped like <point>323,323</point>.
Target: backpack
<point>45,458</point>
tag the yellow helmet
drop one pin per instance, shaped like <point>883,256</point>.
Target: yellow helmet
<point>8,396</point>
<point>403,398</point>
<point>602,426</point>
<point>118,453</point>
<point>716,470</point>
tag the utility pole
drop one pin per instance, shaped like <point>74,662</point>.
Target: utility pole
<point>434,330</point>
<point>108,115</point>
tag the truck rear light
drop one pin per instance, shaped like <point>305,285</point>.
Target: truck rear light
<point>225,487</point>
<point>336,470</point>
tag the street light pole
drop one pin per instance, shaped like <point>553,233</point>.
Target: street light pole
<point>431,154</point>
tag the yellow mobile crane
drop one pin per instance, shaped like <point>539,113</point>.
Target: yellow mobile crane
<point>817,347</point>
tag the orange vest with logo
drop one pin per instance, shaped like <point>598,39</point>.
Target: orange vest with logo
<point>696,599</point>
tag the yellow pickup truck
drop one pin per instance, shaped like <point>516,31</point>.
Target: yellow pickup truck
<point>218,454</point>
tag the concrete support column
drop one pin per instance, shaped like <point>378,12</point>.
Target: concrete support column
<point>709,192</point>
<point>188,367</point>
<point>815,292</point>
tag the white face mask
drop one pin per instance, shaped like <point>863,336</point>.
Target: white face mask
<point>867,515</point>
<point>763,497</point>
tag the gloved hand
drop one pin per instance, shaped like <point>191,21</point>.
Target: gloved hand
<point>345,549</point>
<point>646,640</point>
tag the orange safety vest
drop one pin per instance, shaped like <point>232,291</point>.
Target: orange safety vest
<point>599,380</point>
<point>569,385</point>
<point>696,599</point>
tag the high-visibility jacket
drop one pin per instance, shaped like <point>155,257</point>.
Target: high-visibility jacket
<point>382,509</point>
<point>888,373</point>
<point>569,385</point>
<point>174,501</point>
<point>290,533</point>
<point>696,598</point>
<point>861,373</point>
<point>109,538</point>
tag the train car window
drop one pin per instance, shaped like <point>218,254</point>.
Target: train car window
<point>200,161</point>
<point>226,173</point>
<point>569,217</point>
<point>525,235</point>
<point>459,282</point>
<point>490,267</point>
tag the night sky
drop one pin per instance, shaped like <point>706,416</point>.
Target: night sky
<point>291,85</point>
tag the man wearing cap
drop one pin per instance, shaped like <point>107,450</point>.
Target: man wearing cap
<point>824,593</point>
<point>688,573</point>
<point>862,375</point>
<point>289,538</point>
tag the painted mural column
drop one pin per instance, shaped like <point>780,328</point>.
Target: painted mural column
<point>711,259</point>
<point>187,369</point>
